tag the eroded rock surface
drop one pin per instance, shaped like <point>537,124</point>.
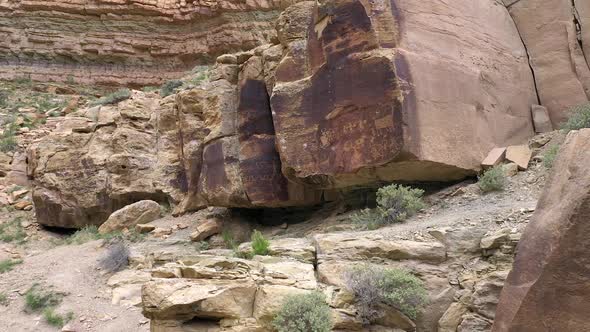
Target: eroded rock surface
<point>393,98</point>
<point>547,287</point>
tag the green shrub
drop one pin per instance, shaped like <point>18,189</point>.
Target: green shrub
<point>259,243</point>
<point>113,98</point>
<point>493,179</point>
<point>8,138</point>
<point>243,254</point>
<point>3,299</point>
<point>3,99</point>
<point>150,88</point>
<point>395,203</point>
<point>304,313</point>
<point>579,118</point>
<point>373,285</point>
<point>229,240</point>
<point>12,231</point>
<point>37,300</point>
<point>550,155</point>
<point>90,233</point>
<point>169,87</point>
<point>54,319</point>
<point>369,218</point>
<point>7,264</point>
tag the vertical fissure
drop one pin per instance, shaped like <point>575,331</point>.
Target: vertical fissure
<point>578,27</point>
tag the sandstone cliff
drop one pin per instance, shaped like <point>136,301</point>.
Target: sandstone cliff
<point>351,94</point>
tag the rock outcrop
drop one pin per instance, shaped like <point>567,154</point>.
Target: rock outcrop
<point>351,94</point>
<point>214,290</point>
<point>103,158</point>
<point>547,287</point>
<point>139,42</point>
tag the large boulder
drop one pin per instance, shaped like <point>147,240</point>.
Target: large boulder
<point>547,289</point>
<point>141,212</point>
<point>387,91</point>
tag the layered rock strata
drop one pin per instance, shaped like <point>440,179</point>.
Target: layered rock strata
<point>139,42</point>
<point>213,292</point>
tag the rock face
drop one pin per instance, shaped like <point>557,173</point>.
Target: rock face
<point>104,158</point>
<point>376,103</point>
<point>350,94</point>
<point>547,287</point>
<point>141,212</point>
<point>139,42</point>
<point>554,32</point>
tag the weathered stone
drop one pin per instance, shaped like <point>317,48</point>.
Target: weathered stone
<point>452,318</point>
<point>185,299</point>
<point>98,161</point>
<point>144,228</point>
<point>141,212</point>
<point>494,157</point>
<point>206,229</point>
<point>474,323</point>
<point>520,155</point>
<point>547,287</point>
<point>549,30</point>
<point>541,119</point>
<point>391,113</point>
<point>495,239</point>
<point>352,246</point>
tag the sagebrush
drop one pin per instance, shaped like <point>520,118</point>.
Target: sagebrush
<point>113,98</point>
<point>8,264</point>
<point>579,117</point>
<point>13,231</point>
<point>116,258</point>
<point>55,319</point>
<point>90,233</point>
<point>395,203</point>
<point>550,156</point>
<point>170,87</point>
<point>304,313</point>
<point>493,179</point>
<point>374,285</point>
<point>37,299</point>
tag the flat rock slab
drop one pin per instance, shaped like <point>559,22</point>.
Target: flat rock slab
<point>520,155</point>
<point>495,157</point>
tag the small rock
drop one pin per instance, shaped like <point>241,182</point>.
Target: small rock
<point>162,232</point>
<point>206,229</point>
<point>22,205</point>
<point>495,157</point>
<point>144,228</point>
